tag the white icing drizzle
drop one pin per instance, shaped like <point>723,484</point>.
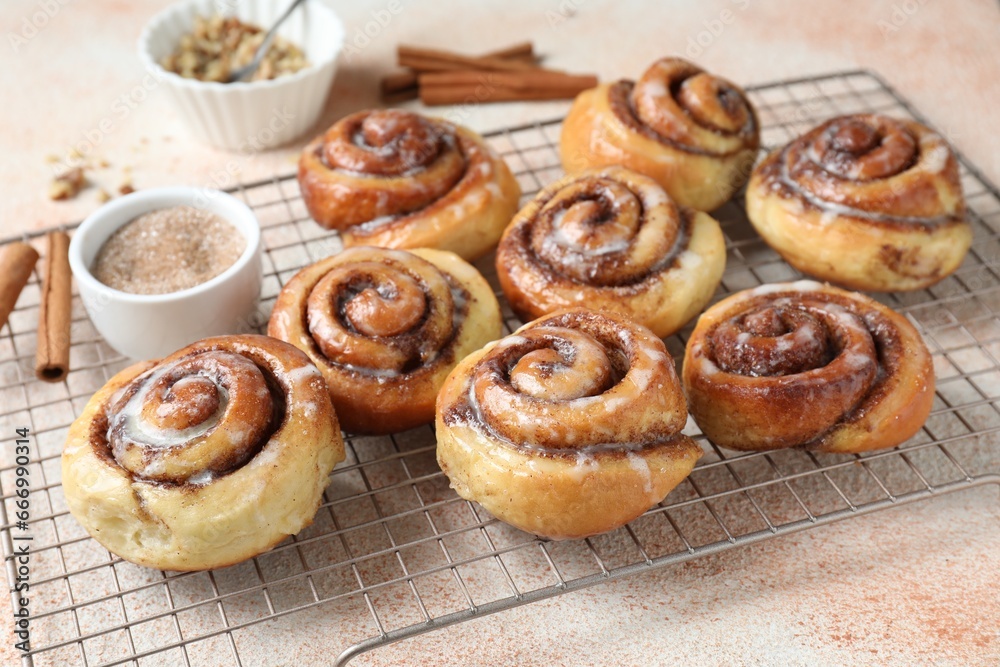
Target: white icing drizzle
<point>639,464</point>
<point>558,237</point>
<point>509,341</point>
<point>128,418</point>
<point>152,469</point>
<point>689,260</point>
<point>934,154</point>
<point>303,374</point>
<point>641,378</point>
<point>797,286</point>
<point>202,478</point>
<point>833,210</point>
<point>584,464</point>
<point>656,89</point>
<point>375,223</point>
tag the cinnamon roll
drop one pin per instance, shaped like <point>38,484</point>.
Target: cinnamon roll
<point>396,179</point>
<point>866,201</point>
<point>205,458</point>
<point>807,365</point>
<point>694,133</point>
<point>569,427</point>
<point>613,240</point>
<point>385,327</point>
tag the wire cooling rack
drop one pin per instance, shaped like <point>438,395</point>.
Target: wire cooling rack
<point>393,552</point>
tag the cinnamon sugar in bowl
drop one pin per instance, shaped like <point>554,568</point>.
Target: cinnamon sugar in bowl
<point>160,268</point>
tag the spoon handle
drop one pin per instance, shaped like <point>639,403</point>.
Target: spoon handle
<point>248,71</point>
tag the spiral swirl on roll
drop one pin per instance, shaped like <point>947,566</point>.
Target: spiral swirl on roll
<point>569,427</point>
<point>807,365</point>
<point>206,458</point>
<point>195,418</point>
<point>678,103</point>
<point>693,132</point>
<point>396,179</point>
<point>385,327</point>
<point>867,201</point>
<point>613,240</point>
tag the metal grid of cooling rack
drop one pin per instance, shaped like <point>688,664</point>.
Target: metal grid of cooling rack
<point>393,551</point>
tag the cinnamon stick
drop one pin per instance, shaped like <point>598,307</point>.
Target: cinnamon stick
<point>402,86</point>
<point>17,261</point>
<point>522,50</point>
<point>398,82</point>
<point>537,79</point>
<point>459,87</point>
<point>432,60</point>
<point>443,95</point>
<point>54,316</point>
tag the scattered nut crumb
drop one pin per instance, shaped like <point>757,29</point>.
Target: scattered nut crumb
<point>103,196</point>
<point>52,159</point>
<point>125,188</point>
<point>67,185</point>
<point>103,164</point>
<point>74,154</point>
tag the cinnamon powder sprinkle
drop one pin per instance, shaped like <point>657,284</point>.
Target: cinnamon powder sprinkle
<point>168,250</point>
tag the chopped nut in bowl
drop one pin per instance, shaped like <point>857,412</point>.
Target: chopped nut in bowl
<point>221,44</point>
<point>191,49</point>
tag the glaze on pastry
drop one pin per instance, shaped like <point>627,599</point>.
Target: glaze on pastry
<point>385,327</point>
<point>567,428</point>
<point>867,201</point>
<point>694,133</point>
<point>397,179</point>
<point>203,459</point>
<point>611,240</point>
<point>808,365</point>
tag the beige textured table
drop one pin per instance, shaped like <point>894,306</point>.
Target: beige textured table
<point>913,585</point>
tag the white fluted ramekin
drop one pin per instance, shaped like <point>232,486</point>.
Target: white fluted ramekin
<point>248,116</point>
<point>150,326</point>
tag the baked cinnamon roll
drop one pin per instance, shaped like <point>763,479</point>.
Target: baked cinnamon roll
<point>205,458</point>
<point>807,365</point>
<point>611,240</point>
<point>569,427</point>
<point>396,179</point>
<point>694,133</point>
<point>385,327</point>
<point>866,201</point>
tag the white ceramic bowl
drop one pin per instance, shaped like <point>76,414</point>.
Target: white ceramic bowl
<point>147,326</point>
<point>248,116</point>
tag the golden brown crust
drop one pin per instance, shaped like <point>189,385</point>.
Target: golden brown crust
<point>567,428</point>
<point>694,133</point>
<point>203,459</point>
<point>807,365</point>
<point>385,327</point>
<point>866,201</point>
<point>396,179</point>
<point>613,240</point>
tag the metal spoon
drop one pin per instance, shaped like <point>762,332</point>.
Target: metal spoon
<point>247,70</point>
